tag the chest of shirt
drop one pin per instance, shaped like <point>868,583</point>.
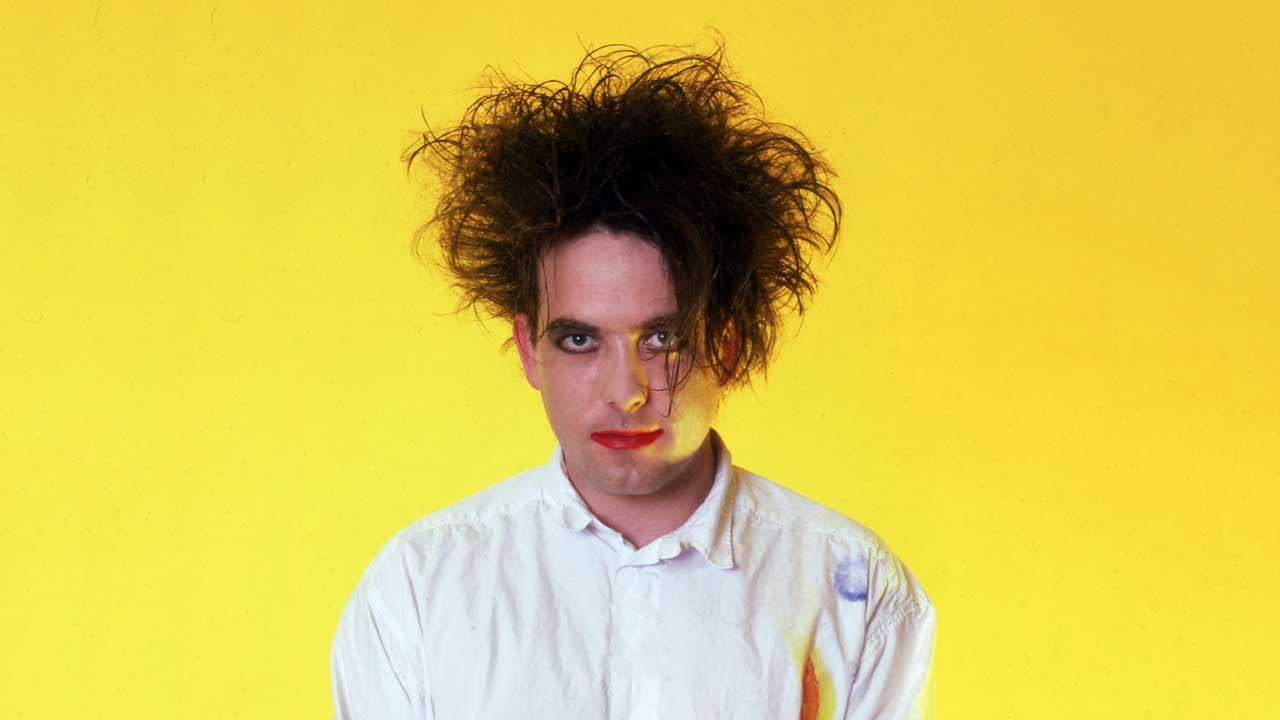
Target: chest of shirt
<point>567,627</point>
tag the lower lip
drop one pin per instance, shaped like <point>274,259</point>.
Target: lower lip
<point>626,441</point>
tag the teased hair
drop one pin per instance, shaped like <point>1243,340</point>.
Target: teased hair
<point>662,143</point>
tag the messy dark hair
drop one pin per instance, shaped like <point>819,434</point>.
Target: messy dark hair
<point>662,143</point>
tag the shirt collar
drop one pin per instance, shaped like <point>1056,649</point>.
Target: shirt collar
<point>709,530</point>
<point>565,500</point>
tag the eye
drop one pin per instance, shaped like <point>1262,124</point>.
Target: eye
<point>660,342</point>
<point>576,343</point>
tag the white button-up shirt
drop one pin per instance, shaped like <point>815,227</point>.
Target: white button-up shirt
<point>518,603</point>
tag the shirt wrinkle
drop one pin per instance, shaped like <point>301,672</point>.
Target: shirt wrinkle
<point>386,633</point>
<point>901,613</point>
<point>452,518</point>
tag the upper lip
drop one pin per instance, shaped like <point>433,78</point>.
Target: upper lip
<point>628,433</point>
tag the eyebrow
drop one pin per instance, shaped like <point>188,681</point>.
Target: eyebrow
<point>570,325</point>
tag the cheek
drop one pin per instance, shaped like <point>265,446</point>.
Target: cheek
<point>697,402</point>
<point>565,386</point>
<point>656,371</point>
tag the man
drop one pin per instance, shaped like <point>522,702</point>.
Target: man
<point>644,231</point>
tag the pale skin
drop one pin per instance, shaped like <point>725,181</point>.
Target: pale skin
<point>606,304</point>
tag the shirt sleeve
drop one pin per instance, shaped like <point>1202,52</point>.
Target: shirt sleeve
<point>376,658</point>
<point>894,680</point>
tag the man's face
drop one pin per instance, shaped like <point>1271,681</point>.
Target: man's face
<point>607,307</point>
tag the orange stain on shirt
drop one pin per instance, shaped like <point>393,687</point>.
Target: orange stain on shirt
<point>809,692</point>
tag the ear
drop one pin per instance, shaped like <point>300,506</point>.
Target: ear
<point>730,349</point>
<point>524,344</point>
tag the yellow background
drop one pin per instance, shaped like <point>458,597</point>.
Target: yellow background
<point>1042,364</point>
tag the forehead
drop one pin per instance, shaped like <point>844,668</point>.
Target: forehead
<point>606,278</point>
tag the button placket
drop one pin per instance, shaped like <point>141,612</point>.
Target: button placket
<point>635,687</point>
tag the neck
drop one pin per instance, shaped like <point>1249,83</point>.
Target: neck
<point>641,519</point>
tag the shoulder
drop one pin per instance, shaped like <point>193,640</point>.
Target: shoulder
<point>857,562</point>
<point>490,512</point>
<point>765,505</point>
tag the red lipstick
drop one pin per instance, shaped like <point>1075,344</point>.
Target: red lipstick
<point>625,439</point>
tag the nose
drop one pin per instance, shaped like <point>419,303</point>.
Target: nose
<point>626,386</point>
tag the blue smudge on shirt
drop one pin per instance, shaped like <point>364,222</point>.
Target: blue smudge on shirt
<point>851,579</point>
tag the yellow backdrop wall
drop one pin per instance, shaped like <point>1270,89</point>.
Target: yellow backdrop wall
<point>1042,365</point>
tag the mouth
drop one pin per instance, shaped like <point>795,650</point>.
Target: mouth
<point>625,439</point>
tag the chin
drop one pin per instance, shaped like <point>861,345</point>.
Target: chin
<point>630,480</point>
